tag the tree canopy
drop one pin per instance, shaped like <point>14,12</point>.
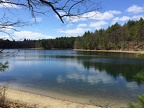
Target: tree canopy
<point>129,36</point>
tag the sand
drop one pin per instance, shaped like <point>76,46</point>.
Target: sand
<point>41,101</point>
<point>119,51</point>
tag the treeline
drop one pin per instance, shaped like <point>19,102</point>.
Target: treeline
<point>58,43</point>
<point>130,36</point>
<point>6,44</point>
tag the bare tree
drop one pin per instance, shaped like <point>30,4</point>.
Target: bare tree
<point>62,8</point>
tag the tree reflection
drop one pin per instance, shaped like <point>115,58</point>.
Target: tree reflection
<point>4,65</point>
<point>114,64</point>
<point>140,77</point>
<point>128,71</point>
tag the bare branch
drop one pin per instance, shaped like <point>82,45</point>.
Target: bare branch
<point>69,7</point>
<point>63,9</point>
<point>74,5</point>
<point>53,8</point>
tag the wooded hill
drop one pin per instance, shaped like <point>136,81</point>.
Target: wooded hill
<point>58,43</point>
<point>129,36</point>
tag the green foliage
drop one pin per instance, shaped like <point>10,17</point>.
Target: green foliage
<point>58,43</point>
<point>140,76</point>
<point>116,37</point>
<point>140,54</point>
<point>3,66</point>
<point>139,103</point>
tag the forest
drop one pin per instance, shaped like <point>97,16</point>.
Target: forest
<point>57,43</point>
<point>129,36</point>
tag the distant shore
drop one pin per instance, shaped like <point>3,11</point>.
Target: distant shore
<point>120,51</point>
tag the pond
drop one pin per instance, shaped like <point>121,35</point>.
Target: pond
<point>75,75</point>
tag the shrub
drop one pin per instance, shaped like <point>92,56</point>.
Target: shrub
<point>139,103</point>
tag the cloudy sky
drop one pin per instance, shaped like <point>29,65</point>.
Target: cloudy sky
<point>50,26</point>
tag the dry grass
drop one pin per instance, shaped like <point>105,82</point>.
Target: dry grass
<point>4,103</point>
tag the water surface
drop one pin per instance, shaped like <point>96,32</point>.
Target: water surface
<point>75,75</point>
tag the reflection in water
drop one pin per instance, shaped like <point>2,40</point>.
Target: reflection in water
<point>128,71</point>
<point>3,66</point>
<point>75,73</point>
<point>94,77</point>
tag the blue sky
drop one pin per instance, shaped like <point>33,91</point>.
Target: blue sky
<point>51,27</point>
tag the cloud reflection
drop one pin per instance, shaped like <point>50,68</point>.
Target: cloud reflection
<point>91,76</point>
<point>37,75</point>
<point>131,85</point>
<point>60,79</point>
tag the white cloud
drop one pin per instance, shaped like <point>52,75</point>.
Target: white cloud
<point>74,32</point>
<point>98,25</point>
<point>30,35</point>
<point>99,16</point>
<point>90,15</point>
<point>4,28</point>
<point>94,16</point>
<point>123,19</point>
<point>4,37</point>
<point>82,25</point>
<point>135,9</point>
<point>8,5</point>
<point>37,19</point>
<point>137,17</point>
<point>61,13</point>
<point>71,18</point>
<point>105,16</point>
<point>75,18</point>
<point>114,12</point>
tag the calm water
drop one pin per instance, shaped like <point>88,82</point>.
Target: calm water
<point>75,74</point>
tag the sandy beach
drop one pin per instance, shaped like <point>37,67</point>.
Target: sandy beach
<point>120,51</point>
<point>42,101</point>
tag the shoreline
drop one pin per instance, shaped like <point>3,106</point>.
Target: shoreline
<point>41,101</point>
<point>118,51</point>
<point>44,101</point>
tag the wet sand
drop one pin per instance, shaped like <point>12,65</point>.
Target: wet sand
<point>41,101</point>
